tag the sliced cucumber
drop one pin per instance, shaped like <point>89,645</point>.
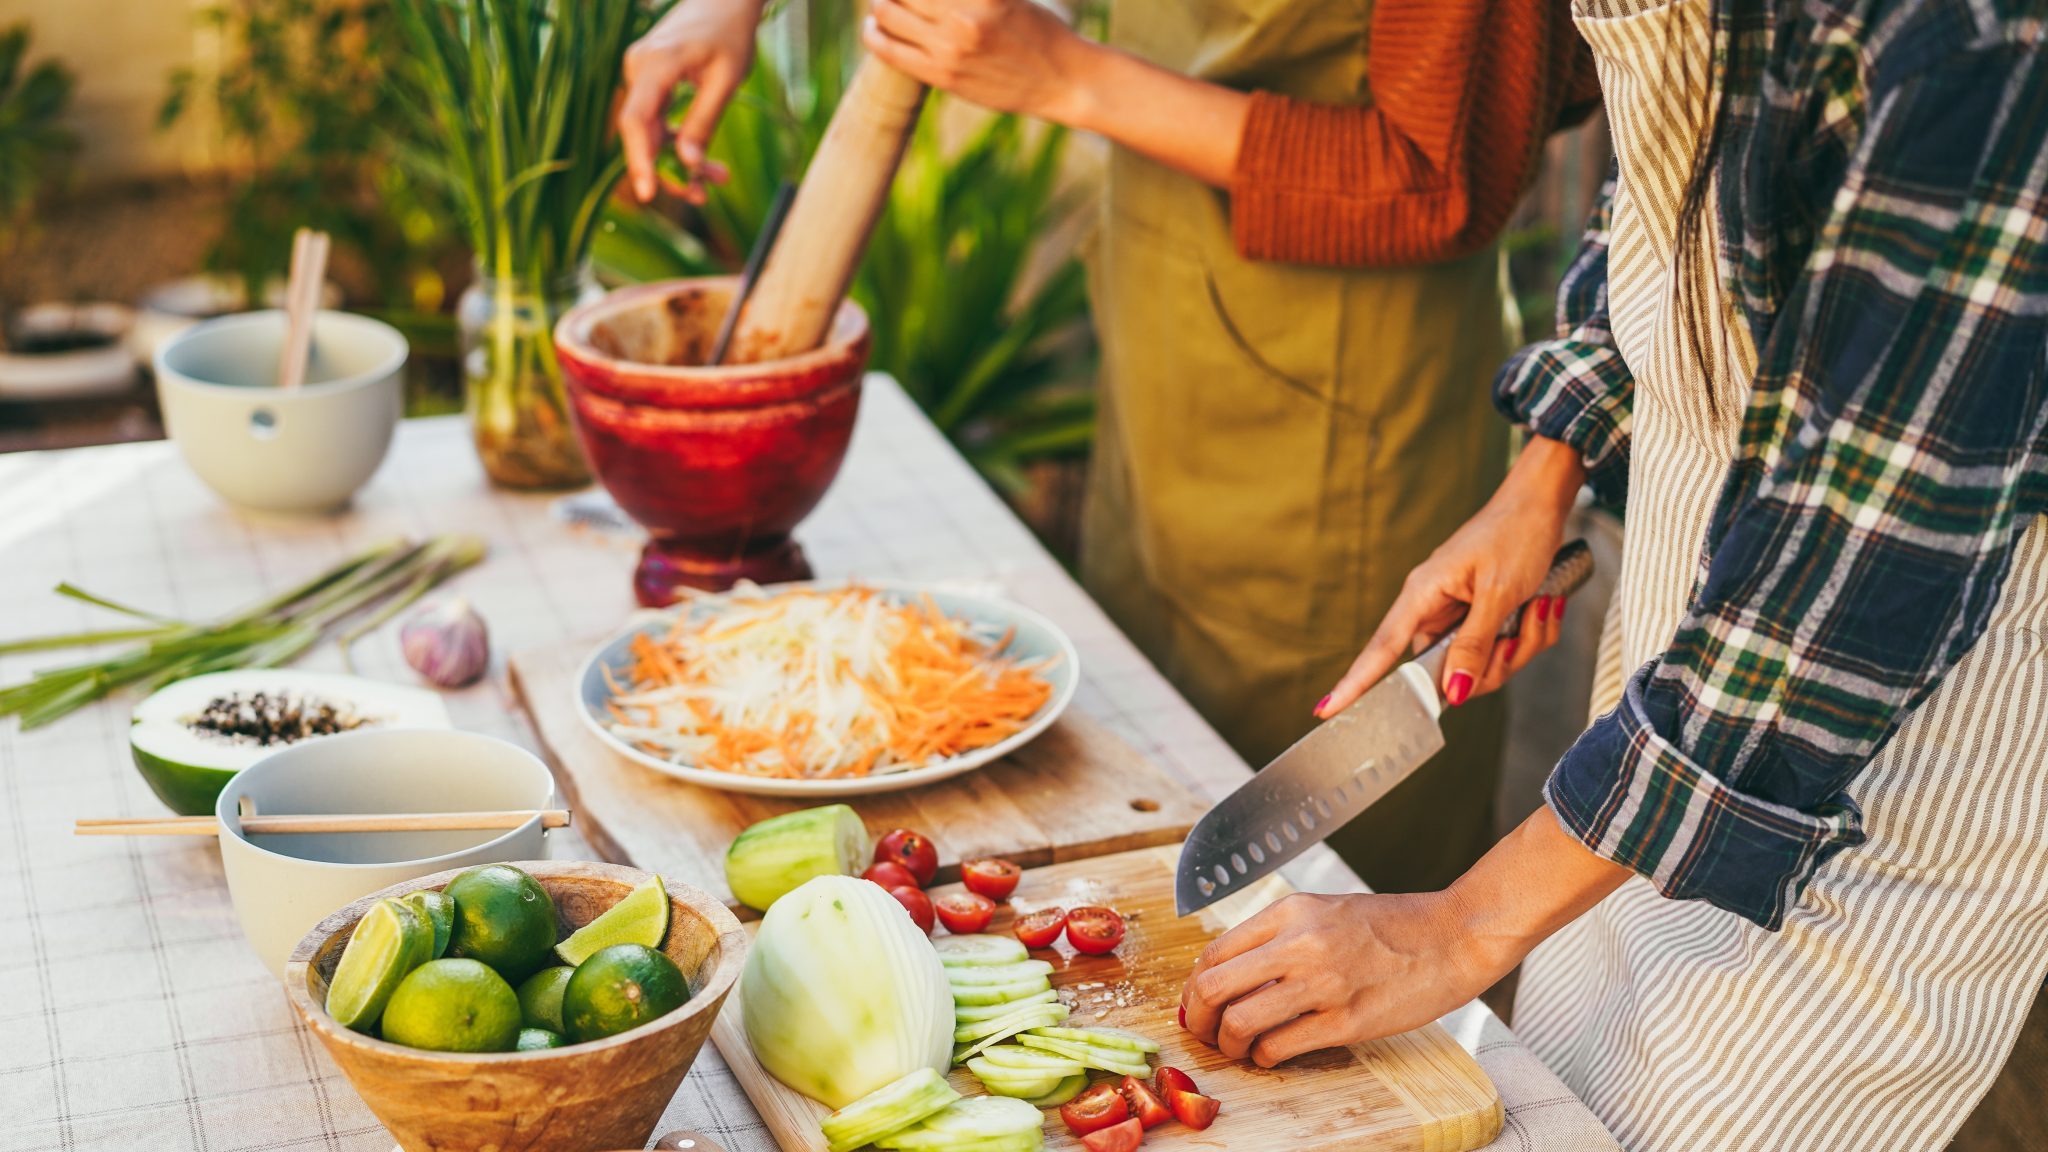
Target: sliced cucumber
<point>922,1139</point>
<point>891,1108</point>
<point>987,1118</point>
<point>1113,1038</point>
<point>1097,1058</point>
<point>965,1050</point>
<point>1046,1016</point>
<point>1031,1060</point>
<point>1001,1081</point>
<point>999,993</point>
<point>983,974</point>
<point>978,950</point>
<point>1068,1089</point>
<point>967,1013</point>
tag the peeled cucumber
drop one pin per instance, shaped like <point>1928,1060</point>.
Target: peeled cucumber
<point>891,1108</point>
<point>967,1013</point>
<point>998,993</point>
<point>1107,1060</point>
<point>1068,1089</point>
<point>978,949</point>
<point>778,854</point>
<point>1002,1081</point>
<point>1115,1039</point>
<point>983,975</point>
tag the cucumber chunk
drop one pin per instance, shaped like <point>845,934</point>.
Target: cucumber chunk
<point>978,950</point>
<point>999,993</point>
<point>891,1108</point>
<point>1068,1089</point>
<point>998,973</point>
<point>1111,1038</point>
<point>967,1013</point>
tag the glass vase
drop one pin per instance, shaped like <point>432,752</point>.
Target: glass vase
<point>512,384</point>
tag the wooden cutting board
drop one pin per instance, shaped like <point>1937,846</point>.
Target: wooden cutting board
<point>1417,1092</point>
<point>1075,792</point>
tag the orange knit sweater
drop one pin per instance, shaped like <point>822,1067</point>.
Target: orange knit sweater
<point>1463,94</point>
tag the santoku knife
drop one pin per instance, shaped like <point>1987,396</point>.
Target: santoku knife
<point>1336,771</point>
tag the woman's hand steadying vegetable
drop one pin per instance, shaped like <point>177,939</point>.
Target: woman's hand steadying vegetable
<point>709,43</point>
<point>1486,570</point>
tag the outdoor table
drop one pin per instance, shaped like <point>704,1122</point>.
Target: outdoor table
<point>134,1010</point>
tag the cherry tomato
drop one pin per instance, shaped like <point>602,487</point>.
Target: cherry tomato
<point>1173,1080</point>
<point>1123,1137</point>
<point>1094,930</point>
<point>913,850</point>
<point>1039,929</point>
<point>1096,1109</point>
<point>1150,1110</point>
<point>890,874</point>
<point>965,912</point>
<point>1192,1108</point>
<point>991,877</point>
<point>916,903</point>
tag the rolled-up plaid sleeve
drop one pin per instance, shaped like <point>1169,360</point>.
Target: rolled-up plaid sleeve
<point>1574,387</point>
<point>1891,455</point>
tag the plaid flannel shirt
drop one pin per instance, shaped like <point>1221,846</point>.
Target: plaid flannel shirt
<point>1885,234</point>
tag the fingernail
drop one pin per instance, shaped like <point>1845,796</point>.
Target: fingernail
<point>1183,1016</point>
<point>1508,646</point>
<point>1558,612</point>
<point>1322,704</point>
<point>1459,689</point>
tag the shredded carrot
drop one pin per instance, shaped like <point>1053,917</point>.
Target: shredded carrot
<point>818,684</point>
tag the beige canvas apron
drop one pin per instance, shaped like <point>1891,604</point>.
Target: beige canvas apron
<point>1882,1010</point>
<point>1280,444</point>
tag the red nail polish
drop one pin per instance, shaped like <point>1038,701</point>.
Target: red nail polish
<point>1183,1016</point>
<point>1322,704</point>
<point>1459,689</point>
<point>1508,646</point>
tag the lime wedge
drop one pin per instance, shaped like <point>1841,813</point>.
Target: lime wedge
<point>438,910</point>
<point>389,941</point>
<point>641,918</point>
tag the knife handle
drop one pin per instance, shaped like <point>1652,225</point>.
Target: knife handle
<point>1569,571</point>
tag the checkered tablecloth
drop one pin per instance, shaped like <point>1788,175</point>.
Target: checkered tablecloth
<point>131,1013</point>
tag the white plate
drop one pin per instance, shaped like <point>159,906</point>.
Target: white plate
<point>1035,637</point>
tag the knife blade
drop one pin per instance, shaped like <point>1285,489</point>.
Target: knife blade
<point>1338,770</point>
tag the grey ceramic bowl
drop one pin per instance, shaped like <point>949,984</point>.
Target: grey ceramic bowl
<point>261,447</point>
<point>283,885</point>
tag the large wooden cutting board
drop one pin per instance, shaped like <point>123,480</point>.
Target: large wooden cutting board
<point>1417,1092</point>
<point>1076,791</point>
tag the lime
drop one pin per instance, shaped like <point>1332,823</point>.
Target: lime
<point>621,987</point>
<point>640,918</point>
<point>540,998</point>
<point>453,1006</point>
<point>503,917</point>
<point>436,909</point>
<point>535,1039</point>
<point>389,941</point>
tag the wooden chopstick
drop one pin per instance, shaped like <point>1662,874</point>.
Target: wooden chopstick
<point>339,822</point>
<point>771,227</point>
<point>302,304</point>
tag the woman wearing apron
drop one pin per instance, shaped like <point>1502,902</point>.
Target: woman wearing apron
<point>1270,405</point>
<point>1805,345</point>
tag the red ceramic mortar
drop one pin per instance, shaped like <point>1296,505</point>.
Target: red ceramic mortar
<point>719,464</point>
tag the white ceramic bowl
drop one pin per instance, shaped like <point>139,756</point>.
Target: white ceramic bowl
<point>105,371</point>
<point>283,885</point>
<point>175,305</point>
<point>259,446</point>
<point>1034,637</point>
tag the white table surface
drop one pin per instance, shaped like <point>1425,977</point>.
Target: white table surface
<point>130,1008</point>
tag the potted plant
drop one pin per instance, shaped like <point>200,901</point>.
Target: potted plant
<point>512,100</point>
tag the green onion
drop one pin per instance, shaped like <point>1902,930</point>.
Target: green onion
<point>364,592</point>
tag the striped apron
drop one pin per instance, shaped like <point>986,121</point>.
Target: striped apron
<point>1880,1013</point>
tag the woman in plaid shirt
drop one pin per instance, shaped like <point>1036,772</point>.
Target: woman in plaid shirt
<point>1790,889</point>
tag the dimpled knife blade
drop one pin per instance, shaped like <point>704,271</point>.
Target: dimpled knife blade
<point>1312,789</point>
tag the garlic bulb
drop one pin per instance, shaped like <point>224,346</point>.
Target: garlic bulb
<point>447,643</point>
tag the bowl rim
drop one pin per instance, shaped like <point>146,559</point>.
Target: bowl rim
<point>386,370</point>
<point>229,817</point>
<point>710,996</point>
<point>573,341</point>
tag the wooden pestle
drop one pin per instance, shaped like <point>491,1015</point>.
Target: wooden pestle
<point>813,261</point>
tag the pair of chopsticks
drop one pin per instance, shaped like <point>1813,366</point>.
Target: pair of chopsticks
<point>340,822</point>
<point>301,303</point>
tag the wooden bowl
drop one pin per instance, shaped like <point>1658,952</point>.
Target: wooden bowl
<point>605,1094</point>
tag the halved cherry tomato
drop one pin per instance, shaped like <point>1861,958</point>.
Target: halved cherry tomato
<point>1094,930</point>
<point>890,874</point>
<point>916,903</point>
<point>965,912</point>
<point>1039,929</point>
<point>1173,1080</point>
<point>913,850</point>
<point>991,877</point>
<point>1192,1108</point>
<point>1122,1138</point>
<point>1150,1110</point>
<point>1096,1109</point>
